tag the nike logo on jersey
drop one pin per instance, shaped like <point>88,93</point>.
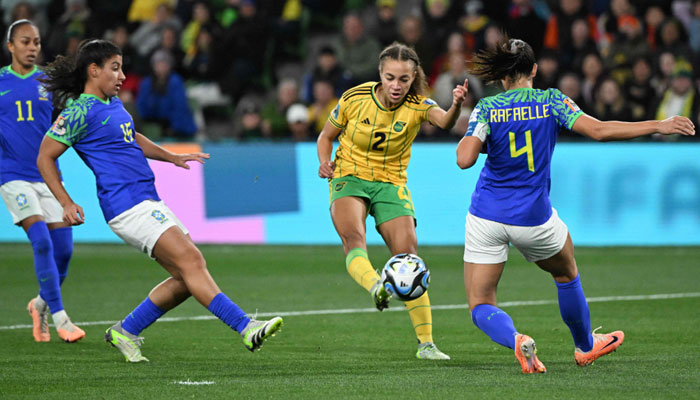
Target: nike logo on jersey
<point>4,92</point>
<point>106,119</point>
<point>366,121</point>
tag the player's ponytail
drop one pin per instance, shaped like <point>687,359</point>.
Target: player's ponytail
<point>509,59</point>
<point>401,52</point>
<point>66,76</point>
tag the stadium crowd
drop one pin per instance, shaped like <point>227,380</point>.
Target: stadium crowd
<point>273,69</point>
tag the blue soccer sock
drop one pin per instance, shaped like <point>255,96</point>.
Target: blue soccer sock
<point>495,323</point>
<point>45,266</point>
<point>228,312</point>
<point>62,239</point>
<point>142,317</point>
<point>574,311</point>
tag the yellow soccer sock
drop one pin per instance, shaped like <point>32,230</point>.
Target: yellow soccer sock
<point>360,269</point>
<point>421,317</point>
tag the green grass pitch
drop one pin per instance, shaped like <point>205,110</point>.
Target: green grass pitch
<point>358,354</point>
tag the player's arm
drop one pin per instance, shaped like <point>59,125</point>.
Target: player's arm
<point>156,152</point>
<point>49,151</point>
<point>604,131</point>
<point>446,119</point>
<point>324,148</point>
<point>468,151</point>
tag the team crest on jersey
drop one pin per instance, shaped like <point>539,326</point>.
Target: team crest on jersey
<point>339,186</point>
<point>43,93</point>
<point>59,127</point>
<point>429,102</point>
<point>22,201</point>
<point>398,126</point>
<point>336,111</point>
<point>159,216</point>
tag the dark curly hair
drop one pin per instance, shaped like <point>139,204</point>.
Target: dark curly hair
<point>66,76</point>
<point>509,59</point>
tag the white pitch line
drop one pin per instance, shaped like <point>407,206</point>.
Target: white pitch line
<point>661,296</point>
<point>194,383</point>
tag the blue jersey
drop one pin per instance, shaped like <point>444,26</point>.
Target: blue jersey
<point>520,129</point>
<point>102,133</point>
<point>25,114</point>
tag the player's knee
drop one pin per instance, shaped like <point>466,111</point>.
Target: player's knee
<point>192,260</point>
<point>353,239</point>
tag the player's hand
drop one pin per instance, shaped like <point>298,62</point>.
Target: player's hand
<point>677,124</point>
<point>325,170</point>
<point>181,159</point>
<point>459,93</point>
<point>73,214</point>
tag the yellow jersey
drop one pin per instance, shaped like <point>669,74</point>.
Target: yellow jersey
<point>375,142</point>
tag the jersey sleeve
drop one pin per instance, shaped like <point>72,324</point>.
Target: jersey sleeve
<point>563,109</point>
<point>70,126</point>
<point>337,117</point>
<point>428,104</point>
<point>478,122</point>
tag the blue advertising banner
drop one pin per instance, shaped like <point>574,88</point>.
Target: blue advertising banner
<point>606,193</point>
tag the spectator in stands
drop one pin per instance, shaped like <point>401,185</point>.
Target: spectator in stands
<point>170,42</point>
<point>33,10</point>
<point>639,92</point>
<point>440,19</point>
<point>608,21</point>
<point>455,45</point>
<point>473,25</point>
<point>298,122</point>
<point>628,45</point>
<point>274,112</point>
<point>201,17</point>
<point>547,71</point>
<point>239,56</point>
<point>681,98</point>
<point>326,68</point>
<point>581,44</point>
<point>148,35</point>
<point>653,18</point>
<point>524,23</point>
<point>384,26</point>
<point>162,99</point>
<point>694,28</point>
<point>610,104</point>
<point>455,75</point>
<point>592,70</point>
<point>247,119</point>
<point>356,51</point>
<point>665,63</point>
<point>324,100</point>
<point>411,33</point>
<point>673,38</point>
<point>559,35</point>
<point>570,86</point>
<point>71,27</point>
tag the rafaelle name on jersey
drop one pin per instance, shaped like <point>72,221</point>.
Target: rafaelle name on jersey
<point>524,113</point>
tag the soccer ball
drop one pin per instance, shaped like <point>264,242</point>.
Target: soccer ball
<point>405,276</point>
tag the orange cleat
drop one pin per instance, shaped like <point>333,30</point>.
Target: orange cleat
<point>40,322</point>
<point>70,333</point>
<point>526,353</point>
<point>603,343</point>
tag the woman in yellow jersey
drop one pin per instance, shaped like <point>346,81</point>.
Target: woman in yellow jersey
<point>377,123</point>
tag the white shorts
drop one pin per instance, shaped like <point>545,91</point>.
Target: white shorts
<point>142,225</point>
<point>486,241</point>
<point>25,199</point>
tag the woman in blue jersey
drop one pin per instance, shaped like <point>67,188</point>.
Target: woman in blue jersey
<point>102,132</point>
<point>518,129</point>
<point>25,113</point>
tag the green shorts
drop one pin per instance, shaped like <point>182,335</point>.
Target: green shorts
<point>385,201</point>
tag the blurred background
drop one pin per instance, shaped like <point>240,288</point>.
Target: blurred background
<point>253,81</point>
